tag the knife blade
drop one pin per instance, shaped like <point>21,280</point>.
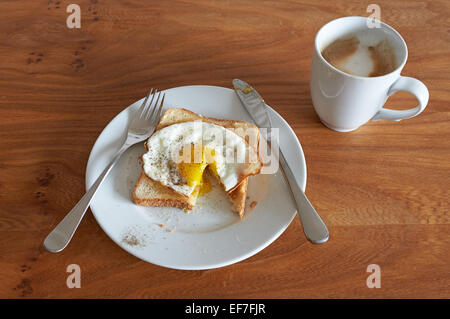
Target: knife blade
<point>314,228</point>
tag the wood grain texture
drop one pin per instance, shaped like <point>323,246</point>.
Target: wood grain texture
<point>383,190</point>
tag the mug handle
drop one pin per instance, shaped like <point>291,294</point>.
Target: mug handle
<point>407,84</point>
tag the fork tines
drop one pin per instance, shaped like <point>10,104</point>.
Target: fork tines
<point>152,110</point>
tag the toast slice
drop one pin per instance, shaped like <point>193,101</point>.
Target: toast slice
<point>147,192</point>
<point>151,193</point>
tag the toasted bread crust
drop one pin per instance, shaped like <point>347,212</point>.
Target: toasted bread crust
<point>172,200</point>
<point>157,202</point>
<point>238,198</point>
<point>225,123</point>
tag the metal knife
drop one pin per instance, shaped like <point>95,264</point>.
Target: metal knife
<point>313,226</point>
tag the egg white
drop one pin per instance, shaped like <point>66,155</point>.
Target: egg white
<point>232,155</point>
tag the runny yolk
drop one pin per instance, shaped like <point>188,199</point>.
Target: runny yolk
<point>192,169</point>
<point>202,188</point>
<point>205,186</point>
<point>192,172</point>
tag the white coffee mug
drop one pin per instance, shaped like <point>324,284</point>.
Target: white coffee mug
<point>343,101</point>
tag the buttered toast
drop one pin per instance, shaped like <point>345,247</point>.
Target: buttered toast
<point>148,192</point>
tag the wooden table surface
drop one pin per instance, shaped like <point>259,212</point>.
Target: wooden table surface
<point>383,190</point>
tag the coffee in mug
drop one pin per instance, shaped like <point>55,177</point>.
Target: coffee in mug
<point>355,68</point>
<point>359,54</point>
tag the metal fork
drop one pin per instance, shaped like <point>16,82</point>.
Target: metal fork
<point>142,126</point>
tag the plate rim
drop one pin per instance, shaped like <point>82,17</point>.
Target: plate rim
<point>241,257</point>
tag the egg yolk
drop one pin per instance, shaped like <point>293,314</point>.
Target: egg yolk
<point>192,172</point>
<point>204,186</point>
<point>192,168</point>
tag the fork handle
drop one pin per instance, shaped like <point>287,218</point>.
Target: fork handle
<point>61,235</point>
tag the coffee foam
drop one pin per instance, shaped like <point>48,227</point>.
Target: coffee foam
<point>365,53</point>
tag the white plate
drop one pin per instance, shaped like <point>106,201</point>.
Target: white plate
<point>211,236</point>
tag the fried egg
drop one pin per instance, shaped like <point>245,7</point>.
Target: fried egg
<point>178,155</point>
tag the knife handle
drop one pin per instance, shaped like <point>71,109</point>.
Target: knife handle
<point>313,226</point>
